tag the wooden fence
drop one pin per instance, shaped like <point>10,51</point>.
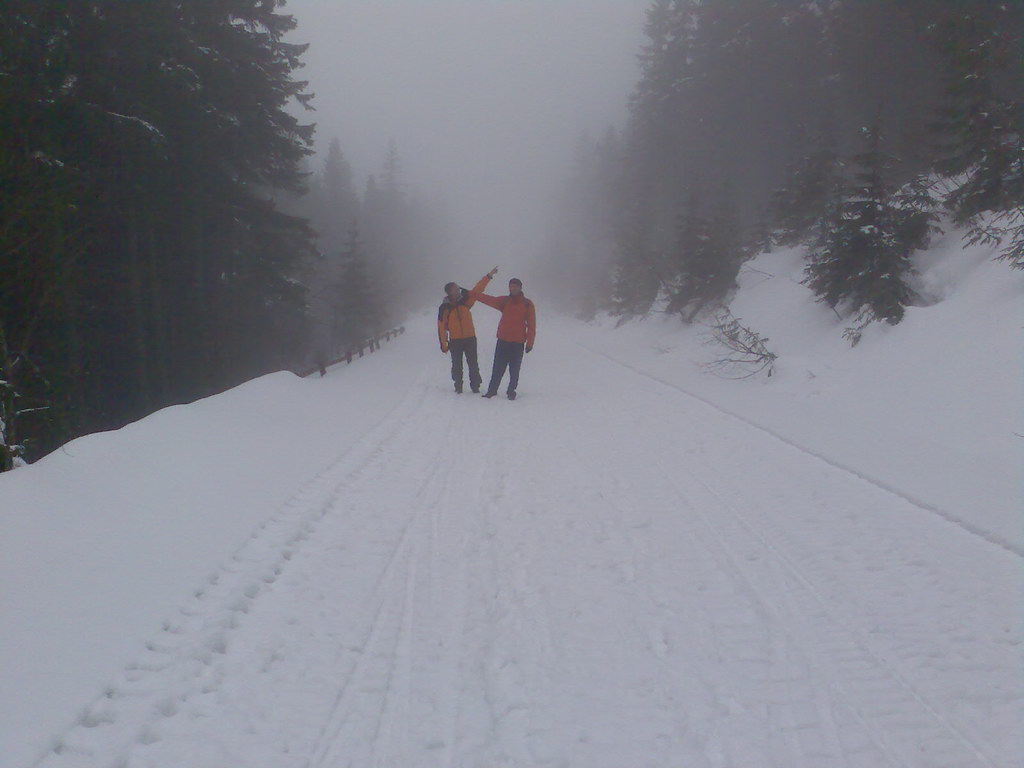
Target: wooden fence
<point>369,346</point>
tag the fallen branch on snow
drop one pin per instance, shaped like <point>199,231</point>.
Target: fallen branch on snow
<point>746,352</point>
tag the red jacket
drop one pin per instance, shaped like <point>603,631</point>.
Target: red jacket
<point>518,316</point>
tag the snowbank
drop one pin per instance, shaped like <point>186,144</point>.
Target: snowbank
<point>929,408</point>
<point>100,540</point>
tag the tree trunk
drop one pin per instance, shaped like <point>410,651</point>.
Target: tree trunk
<point>75,374</point>
<point>161,350</point>
<point>8,414</point>
<point>139,319</point>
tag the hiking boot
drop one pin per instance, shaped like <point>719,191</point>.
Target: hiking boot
<point>490,394</point>
<point>476,389</point>
<point>511,395</point>
<point>458,389</point>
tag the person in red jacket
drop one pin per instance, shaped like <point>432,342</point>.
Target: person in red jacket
<point>517,330</point>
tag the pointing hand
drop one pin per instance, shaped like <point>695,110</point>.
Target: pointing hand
<point>492,273</point>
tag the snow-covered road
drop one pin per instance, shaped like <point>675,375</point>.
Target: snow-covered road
<point>606,572</point>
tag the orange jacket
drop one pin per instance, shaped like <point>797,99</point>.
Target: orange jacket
<point>454,320</point>
<point>518,316</point>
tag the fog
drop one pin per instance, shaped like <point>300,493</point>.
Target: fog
<point>166,231</point>
<point>485,101</point>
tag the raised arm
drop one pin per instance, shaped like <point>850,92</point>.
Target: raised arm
<point>497,302</point>
<point>478,289</point>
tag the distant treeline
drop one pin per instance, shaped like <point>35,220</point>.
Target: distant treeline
<point>379,249</point>
<point>154,244</point>
<point>843,125</point>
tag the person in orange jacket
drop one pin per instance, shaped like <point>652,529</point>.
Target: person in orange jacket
<point>517,330</point>
<point>456,333</point>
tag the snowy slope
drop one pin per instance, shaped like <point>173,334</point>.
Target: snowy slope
<point>101,539</point>
<point>929,409</point>
<point>369,570</point>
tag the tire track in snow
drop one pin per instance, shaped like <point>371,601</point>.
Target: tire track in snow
<point>496,666</point>
<point>186,658</point>
<point>367,650</point>
<point>838,638</point>
<point>391,620</point>
<point>630,644</point>
<point>914,616</point>
<point>520,602</point>
<point>461,507</point>
<point>949,517</point>
<point>902,720</point>
<point>736,634</point>
<point>796,598</point>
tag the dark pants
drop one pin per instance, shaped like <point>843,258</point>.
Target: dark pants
<point>467,347</point>
<point>506,354</point>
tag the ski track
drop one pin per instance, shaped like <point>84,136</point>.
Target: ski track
<point>581,578</point>
<point>950,517</point>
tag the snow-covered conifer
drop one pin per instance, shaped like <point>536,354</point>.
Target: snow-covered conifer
<point>862,259</point>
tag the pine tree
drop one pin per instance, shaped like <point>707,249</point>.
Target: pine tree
<point>393,223</point>
<point>141,145</point>
<point>692,242</point>
<point>761,237</point>
<point>577,259</point>
<point>10,448</point>
<point>709,253</point>
<point>801,206</point>
<point>863,257</point>
<point>979,126</point>
<point>356,307</point>
<point>636,279</point>
<point>1009,225</point>
<point>338,203</point>
<point>608,184</point>
<point>391,175</point>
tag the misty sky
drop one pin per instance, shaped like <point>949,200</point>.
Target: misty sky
<point>485,98</point>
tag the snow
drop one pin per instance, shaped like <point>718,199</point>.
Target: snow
<point>144,123</point>
<point>634,564</point>
<point>100,540</point>
<point>928,409</point>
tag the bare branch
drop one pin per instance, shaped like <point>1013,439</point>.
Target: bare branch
<point>746,353</point>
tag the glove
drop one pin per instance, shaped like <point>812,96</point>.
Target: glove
<point>529,347</point>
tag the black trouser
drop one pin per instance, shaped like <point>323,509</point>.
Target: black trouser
<point>467,347</point>
<point>506,354</point>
